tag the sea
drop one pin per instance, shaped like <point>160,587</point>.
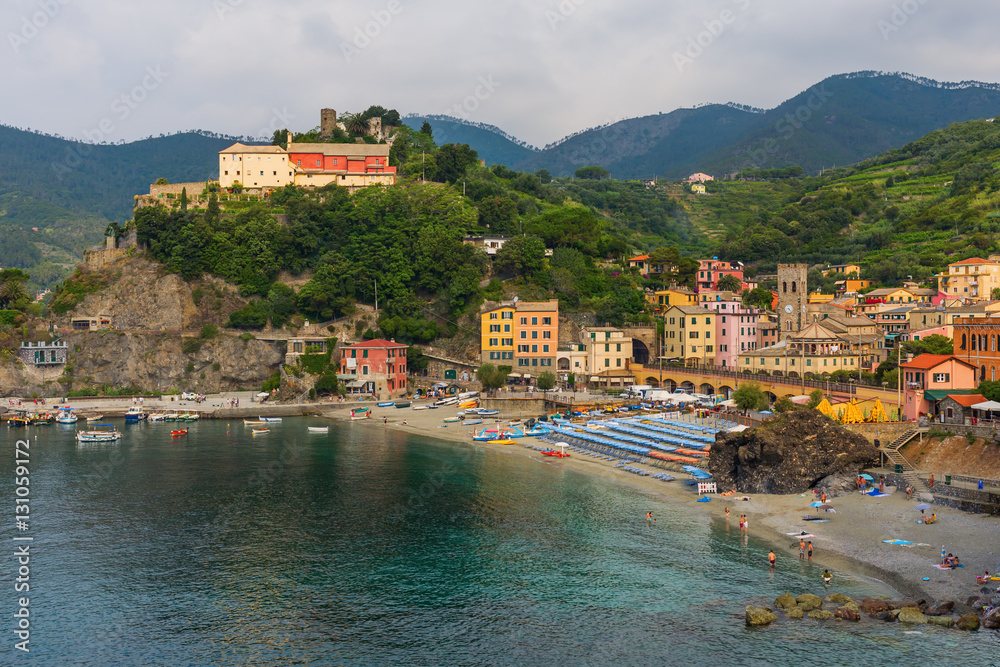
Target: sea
<point>366,546</point>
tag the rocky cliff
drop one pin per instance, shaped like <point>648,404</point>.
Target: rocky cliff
<point>788,454</point>
<point>149,362</point>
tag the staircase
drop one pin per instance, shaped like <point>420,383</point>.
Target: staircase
<point>891,452</point>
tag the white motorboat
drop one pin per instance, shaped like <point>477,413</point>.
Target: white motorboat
<point>319,429</point>
<point>110,435</point>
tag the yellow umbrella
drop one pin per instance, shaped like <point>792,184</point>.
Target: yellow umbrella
<point>825,408</point>
<point>852,415</point>
<point>878,412</point>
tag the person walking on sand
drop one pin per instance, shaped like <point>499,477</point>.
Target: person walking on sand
<point>810,549</point>
<point>930,482</point>
<point>802,548</point>
<point>772,559</point>
<point>909,492</point>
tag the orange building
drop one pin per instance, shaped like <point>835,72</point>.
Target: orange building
<point>536,336</point>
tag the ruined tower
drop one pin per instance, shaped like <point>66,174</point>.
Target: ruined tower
<point>327,122</point>
<point>793,295</point>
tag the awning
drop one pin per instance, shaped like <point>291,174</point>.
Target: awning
<point>987,405</point>
<point>941,394</point>
<point>357,384</point>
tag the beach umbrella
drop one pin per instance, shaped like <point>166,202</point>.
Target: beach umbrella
<point>825,507</point>
<point>828,508</point>
<point>921,507</point>
<point>816,504</point>
<point>263,394</point>
<point>867,476</point>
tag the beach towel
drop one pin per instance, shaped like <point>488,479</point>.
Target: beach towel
<point>947,567</point>
<point>879,495</point>
<point>704,500</point>
<point>800,534</point>
<point>899,543</point>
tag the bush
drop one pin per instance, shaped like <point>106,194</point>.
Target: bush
<point>327,383</point>
<point>192,345</point>
<point>315,363</point>
<point>189,368</point>
<point>247,337</point>
<point>251,316</point>
<point>209,331</point>
<point>216,366</point>
<point>272,382</point>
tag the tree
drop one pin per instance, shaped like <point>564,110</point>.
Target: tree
<point>114,230</point>
<point>453,160</point>
<point>592,172</point>
<point>758,297</point>
<point>425,128</point>
<point>729,283</point>
<point>356,123</point>
<point>492,377</point>
<point>237,187</point>
<point>995,294</point>
<point>544,176</point>
<point>990,389</point>
<point>522,256</point>
<point>749,396</point>
<point>161,181</point>
<point>499,215</point>
<point>784,404</point>
<point>815,398</point>
<point>280,138</point>
<point>184,199</point>
<point>546,381</point>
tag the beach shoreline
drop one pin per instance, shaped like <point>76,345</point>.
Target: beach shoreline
<point>851,541</point>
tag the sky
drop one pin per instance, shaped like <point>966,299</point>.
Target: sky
<point>111,70</point>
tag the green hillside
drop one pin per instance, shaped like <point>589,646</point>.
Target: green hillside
<point>490,142</point>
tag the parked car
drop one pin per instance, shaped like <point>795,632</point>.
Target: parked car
<point>189,396</point>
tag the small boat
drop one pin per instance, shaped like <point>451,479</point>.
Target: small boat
<point>452,420</point>
<point>178,433</point>
<point>252,422</point>
<point>42,420</point>
<point>502,441</point>
<point>192,417</point>
<point>171,417</point>
<point>486,435</point>
<point>472,422</point>
<point>111,435</point>
<point>95,418</point>
<point>319,429</point>
<point>488,413</point>
<point>387,404</point>
<point>537,431</point>
<point>560,455</point>
<point>66,416</point>
<point>404,404</point>
<point>273,420</point>
<point>361,416</point>
<point>21,419</point>
<point>447,401</point>
<point>158,417</point>
<point>468,404</point>
<point>261,431</point>
<point>433,406</point>
<point>419,407</point>
<point>135,415</point>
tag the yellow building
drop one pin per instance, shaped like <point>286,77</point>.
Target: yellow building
<point>673,296</point>
<point>972,279</point>
<point>851,286</point>
<point>698,189</point>
<point>254,167</point>
<point>843,269</point>
<point>689,334</point>
<point>812,350</point>
<point>609,348</point>
<point>497,336</point>
<point>818,297</point>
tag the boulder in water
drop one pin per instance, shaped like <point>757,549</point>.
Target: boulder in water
<point>847,614</point>
<point>788,454</point>
<point>968,622</point>
<point>808,601</point>
<point>820,614</point>
<point>838,598</point>
<point>795,612</point>
<point>872,607</point>
<point>992,619</point>
<point>943,621</point>
<point>759,615</point>
<point>911,615</point>
<point>785,601</point>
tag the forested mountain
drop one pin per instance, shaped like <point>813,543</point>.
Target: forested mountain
<point>492,144</point>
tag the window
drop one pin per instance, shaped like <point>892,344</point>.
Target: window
<point>534,321</point>
<point>506,315</point>
<point>619,347</point>
<point>524,321</point>
<point>607,347</point>
<point>523,362</point>
<point>708,320</point>
<point>300,163</point>
<point>364,354</point>
<point>493,316</point>
<point>547,334</point>
<point>534,335</point>
<point>545,348</point>
<point>494,342</point>
<point>508,342</point>
<point>607,362</point>
<point>546,321</point>
<point>364,370</point>
<point>494,355</point>
<point>524,334</point>
<point>723,317</point>
<point>534,362</point>
<point>494,328</point>
<point>506,328</point>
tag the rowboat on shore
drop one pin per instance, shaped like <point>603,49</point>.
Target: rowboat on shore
<point>171,417</point>
<point>502,441</point>
<point>387,404</point>
<point>488,413</point>
<point>452,420</point>
<point>419,407</point>
<point>158,417</point>
<point>472,422</point>
<point>404,404</point>
<point>261,431</point>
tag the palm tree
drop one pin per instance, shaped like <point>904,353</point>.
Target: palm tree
<point>11,291</point>
<point>356,124</point>
<point>728,283</point>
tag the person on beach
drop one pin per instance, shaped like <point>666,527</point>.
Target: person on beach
<point>727,514</point>
<point>741,524</point>
<point>881,484</point>
<point>649,518</point>
<point>772,559</point>
<point>930,482</point>
<point>810,551</point>
<point>385,421</point>
<point>746,524</point>
<point>822,496</point>
<point>802,548</point>
<point>827,577</point>
<point>909,492</point>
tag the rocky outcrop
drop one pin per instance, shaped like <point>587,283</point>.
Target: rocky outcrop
<point>785,601</point>
<point>759,615</point>
<point>871,607</point>
<point>911,615</point>
<point>808,601</point>
<point>788,454</point>
<point>795,612</point>
<point>992,620</point>
<point>839,598</point>
<point>847,614</point>
<point>943,621</point>
<point>820,614</point>
<point>968,622</point>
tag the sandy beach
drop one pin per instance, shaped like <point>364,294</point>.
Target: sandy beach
<point>852,539</point>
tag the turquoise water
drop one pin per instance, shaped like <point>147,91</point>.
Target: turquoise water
<point>370,547</point>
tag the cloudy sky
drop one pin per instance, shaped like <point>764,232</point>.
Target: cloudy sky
<point>539,69</point>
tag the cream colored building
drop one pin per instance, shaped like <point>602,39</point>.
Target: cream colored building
<point>972,279</point>
<point>608,348</point>
<point>689,335</point>
<point>254,167</point>
<point>812,350</point>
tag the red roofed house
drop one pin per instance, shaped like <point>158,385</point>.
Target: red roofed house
<point>972,279</point>
<point>931,378</point>
<point>953,408</point>
<point>700,178</point>
<point>710,270</point>
<point>376,367</point>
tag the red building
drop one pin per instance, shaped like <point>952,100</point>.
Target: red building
<point>375,367</point>
<point>710,270</point>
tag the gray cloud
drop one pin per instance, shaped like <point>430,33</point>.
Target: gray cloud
<point>562,65</point>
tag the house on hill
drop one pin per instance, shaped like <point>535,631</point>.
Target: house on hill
<point>699,178</point>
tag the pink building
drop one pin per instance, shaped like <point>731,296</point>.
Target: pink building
<point>735,331</point>
<point>710,270</point>
<point>376,367</point>
<point>931,378</point>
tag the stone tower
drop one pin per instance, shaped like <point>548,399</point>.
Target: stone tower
<point>793,295</point>
<point>327,122</point>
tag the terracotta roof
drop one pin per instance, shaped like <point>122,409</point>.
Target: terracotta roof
<point>972,260</point>
<point>926,362</point>
<point>967,401</point>
<point>639,258</point>
<point>537,306</point>
<point>348,150</point>
<point>243,148</point>
<point>378,342</point>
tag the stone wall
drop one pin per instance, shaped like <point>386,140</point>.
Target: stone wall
<point>884,432</point>
<point>177,188</point>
